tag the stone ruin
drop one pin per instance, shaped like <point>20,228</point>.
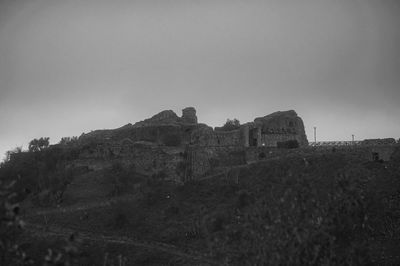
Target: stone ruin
<point>263,131</point>
<point>184,149</point>
<point>189,115</point>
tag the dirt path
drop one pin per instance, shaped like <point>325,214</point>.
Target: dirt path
<point>82,207</point>
<point>59,232</point>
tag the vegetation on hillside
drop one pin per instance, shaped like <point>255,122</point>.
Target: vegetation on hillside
<point>332,210</point>
<point>40,173</point>
<point>230,124</point>
<point>39,144</point>
<point>325,208</point>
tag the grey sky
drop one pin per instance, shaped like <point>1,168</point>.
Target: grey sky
<point>68,67</point>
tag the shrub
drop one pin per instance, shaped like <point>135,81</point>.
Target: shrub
<point>214,162</point>
<point>230,124</point>
<point>38,144</point>
<point>68,140</point>
<point>121,178</point>
<point>10,227</point>
<point>328,212</point>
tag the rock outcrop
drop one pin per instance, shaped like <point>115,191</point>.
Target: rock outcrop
<point>184,149</point>
<point>169,117</point>
<point>189,115</point>
<point>286,122</point>
<point>162,118</point>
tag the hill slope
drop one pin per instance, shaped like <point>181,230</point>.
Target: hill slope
<point>304,208</point>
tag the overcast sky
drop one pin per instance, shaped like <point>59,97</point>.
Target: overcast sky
<point>68,67</point>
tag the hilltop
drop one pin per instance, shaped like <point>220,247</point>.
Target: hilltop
<point>170,191</point>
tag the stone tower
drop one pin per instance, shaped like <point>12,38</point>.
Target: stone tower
<point>189,115</point>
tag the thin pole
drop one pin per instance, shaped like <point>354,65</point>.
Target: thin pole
<point>315,134</point>
<point>352,138</point>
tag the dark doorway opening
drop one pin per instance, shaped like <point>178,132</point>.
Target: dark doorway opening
<point>375,157</point>
<point>253,137</point>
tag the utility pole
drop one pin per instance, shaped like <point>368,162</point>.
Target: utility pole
<point>315,134</point>
<point>352,139</point>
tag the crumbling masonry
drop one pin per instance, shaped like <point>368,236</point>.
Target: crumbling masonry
<point>182,149</point>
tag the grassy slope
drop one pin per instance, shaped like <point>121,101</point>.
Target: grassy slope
<point>327,208</point>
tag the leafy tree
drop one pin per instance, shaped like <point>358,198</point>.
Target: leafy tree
<point>231,124</point>
<point>68,140</point>
<point>38,144</point>
<point>10,152</point>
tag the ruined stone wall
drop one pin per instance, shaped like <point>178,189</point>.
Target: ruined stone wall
<point>153,132</point>
<point>189,116</point>
<point>147,157</point>
<point>207,137</point>
<point>271,140</point>
<point>364,152</point>
<point>227,138</point>
<point>386,141</point>
<point>199,162</point>
<point>151,159</point>
<point>144,144</point>
<point>279,124</point>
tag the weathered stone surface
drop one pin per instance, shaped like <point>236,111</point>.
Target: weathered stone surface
<point>157,144</point>
<point>264,131</point>
<point>164,117</point>
<point>189,115</point>
<point>207,137</point>
<point>283,123</point>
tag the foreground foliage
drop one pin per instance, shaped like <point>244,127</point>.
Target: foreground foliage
<point>319,210</point>
<point>328,208</point>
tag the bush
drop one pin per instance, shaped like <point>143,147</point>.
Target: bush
<point>35,172</point>
<point>230,124</point>
<point>214,162</point>
<point>68,140</point>
<point>121,178</point>
<point>328,212</point>
<point>38,144</point>
<point>10,227</point>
